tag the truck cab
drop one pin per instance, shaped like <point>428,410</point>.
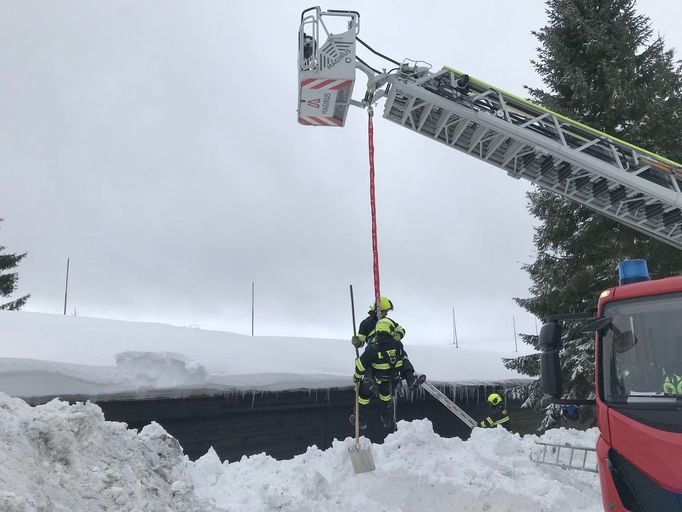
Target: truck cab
<point>638,396</point>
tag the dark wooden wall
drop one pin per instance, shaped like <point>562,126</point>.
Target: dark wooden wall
<point>284,424</point>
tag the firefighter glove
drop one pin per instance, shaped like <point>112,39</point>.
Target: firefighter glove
<point>414,381</point>
<point>356,341</point>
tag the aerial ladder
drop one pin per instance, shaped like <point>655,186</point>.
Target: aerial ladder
<point>628,184</point>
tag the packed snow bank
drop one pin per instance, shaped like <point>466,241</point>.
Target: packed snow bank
<point>416,470</point>
<point>50,355</point>
<point>62,457</point>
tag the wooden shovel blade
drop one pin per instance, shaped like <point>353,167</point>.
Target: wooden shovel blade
<point>361,458</point>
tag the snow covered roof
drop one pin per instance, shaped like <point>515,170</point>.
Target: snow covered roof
<point>50,355</point>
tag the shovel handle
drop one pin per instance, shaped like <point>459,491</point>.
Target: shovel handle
<point>352,312</point>
<point>352,308</point>
<point>357,384</point>
<point>357,416</point>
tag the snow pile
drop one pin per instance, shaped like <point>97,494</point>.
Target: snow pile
<point>59,457</point>
<point>52,355</point>
<point>416,470</point>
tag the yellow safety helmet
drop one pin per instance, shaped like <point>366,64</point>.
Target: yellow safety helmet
<point>386,304</point>
<point>385,325</point>
<point>494,399</point>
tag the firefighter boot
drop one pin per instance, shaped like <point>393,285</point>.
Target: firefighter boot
<point>363,419</point>
<point>387,414</point>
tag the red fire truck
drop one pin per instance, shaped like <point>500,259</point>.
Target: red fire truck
<point>638,397</point>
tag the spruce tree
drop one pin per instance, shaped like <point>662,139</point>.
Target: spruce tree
<point>602,66</point>
<point>8,281</point>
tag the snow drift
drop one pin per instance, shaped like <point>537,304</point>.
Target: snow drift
<point>61,457</point>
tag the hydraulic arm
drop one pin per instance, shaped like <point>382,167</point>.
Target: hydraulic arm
<point>628,184</point>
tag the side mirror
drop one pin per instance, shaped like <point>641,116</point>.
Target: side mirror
<point>550,336</point>
<point>550,369</point>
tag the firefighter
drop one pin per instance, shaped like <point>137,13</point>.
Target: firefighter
<point>366,332</point>
<point>498,415</point>
<point>672,373</point>
<point>386,360</point>
<point>672,382</point>
<point>308,46</point>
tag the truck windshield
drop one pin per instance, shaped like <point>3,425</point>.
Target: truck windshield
<point>642,349</point>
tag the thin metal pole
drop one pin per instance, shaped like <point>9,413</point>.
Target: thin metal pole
<point>253,293</point>
<point>66,286</point>
<point>515,344</point>
<point>536,326</point>
<point>454,329</point>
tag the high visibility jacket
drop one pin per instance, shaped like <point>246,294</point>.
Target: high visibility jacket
<point>672,384</point>
<point>386,360</point>
<point>499,416</point>
<point>367,327</point>
<point>367,331</point>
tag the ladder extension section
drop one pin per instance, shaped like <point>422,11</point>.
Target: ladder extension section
<point>449,404</point>
<point>572,457</point>
<point>628,184</point>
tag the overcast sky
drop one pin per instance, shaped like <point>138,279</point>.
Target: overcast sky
<point>155,144</point>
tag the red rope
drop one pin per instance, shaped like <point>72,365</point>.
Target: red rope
<point>375,245</point>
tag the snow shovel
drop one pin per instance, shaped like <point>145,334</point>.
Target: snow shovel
<point>360,456</point>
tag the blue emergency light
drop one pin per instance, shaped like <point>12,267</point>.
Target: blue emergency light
<point>633,271</point>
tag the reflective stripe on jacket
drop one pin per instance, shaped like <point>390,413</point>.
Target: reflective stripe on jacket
<point>498,417</point>
<point>368,329</point>
<point>385,359</point>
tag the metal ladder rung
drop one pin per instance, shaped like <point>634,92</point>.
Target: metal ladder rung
<point>517,136</point>
<point>558,461</point>
<point>449,404</point>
